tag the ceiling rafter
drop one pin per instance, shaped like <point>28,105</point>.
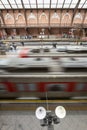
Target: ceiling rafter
<point>16,4</point>
<point>24,11</point>
<point>70,3</point>
<point>43,4</point>
<point>36,5</point>
<point>75,10</point>
<point>29,4</point>
<point>63,4</point>
<point>83,4</point>
<point>22,4</point>
<point>3,4</point>
<point>56,4</point>
<point>10,4</point>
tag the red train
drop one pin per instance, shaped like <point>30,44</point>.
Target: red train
<point>38,89</point>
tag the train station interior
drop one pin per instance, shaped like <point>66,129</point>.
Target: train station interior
<point>43,64</point>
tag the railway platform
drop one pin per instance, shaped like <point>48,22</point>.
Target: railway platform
<point>20,114</point>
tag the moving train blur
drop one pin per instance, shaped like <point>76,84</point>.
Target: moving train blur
<point>55,50</point>
<point>27,67</point>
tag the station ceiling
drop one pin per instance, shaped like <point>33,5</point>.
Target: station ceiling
<point>43,4</point>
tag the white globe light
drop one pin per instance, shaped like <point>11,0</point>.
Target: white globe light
<point>60,112</point>
<point>40,113</point>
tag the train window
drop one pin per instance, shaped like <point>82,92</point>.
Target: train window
<point>32,87</point>
<point>79,86</point>
<point>56,87</point>
<point>20,87</point>
<point>2,87</point>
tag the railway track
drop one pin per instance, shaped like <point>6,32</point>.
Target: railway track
<point>31,105</point>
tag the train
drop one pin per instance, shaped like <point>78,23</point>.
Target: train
<point>26,52</point>
<point>34,77</point>
<point>42,65</point>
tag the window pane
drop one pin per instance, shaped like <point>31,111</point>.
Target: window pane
<point>32,87</point>
<point>80,86</point>
<point>56,87</point>
<point>2,87</point>
<point>20,87</point>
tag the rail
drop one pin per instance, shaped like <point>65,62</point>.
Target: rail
<point>53,77</point>
<point>56,55</point>
<point>31,105</point>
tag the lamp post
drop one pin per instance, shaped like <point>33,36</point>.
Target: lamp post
<point>42,37</point>
<point>47,118</point>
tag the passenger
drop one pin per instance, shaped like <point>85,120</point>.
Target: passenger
<point>14,46</point>
<point>54,45</point>
<point>80,43</point>
<point>22,43</point>
<point>11,48</point>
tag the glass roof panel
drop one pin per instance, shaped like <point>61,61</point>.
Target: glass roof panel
<point>33,3</point>
<point>85,5</point>
<point>27,6</point>
<point>26,3</point>
<point>60,3</point>
<point>81,3</point>
<point>13,4</point>
<point>1,6</point>
<point>53,3</point>
<point>6,4</point>
<point>40,3</point>
<point>67,3</point>
<point>19,3</point>
<point>46,3</point>
<point>73,4</point>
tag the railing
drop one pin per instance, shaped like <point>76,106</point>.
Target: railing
<point>45,25</point>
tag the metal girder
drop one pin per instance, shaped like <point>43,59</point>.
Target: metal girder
<point>3,4</point>
<point>56,4</point>
<point>63,4</point>
<point>29,4</point>
<point>70,3</point>
<point>2,17</point>
<point>74,12</point>
<point>83,4</point>
<point>16,3</point>
<point>36,5</point>
<point>43,4</point>
<point>10,4</point>
<point>22,4</point>
<point>24,12</point>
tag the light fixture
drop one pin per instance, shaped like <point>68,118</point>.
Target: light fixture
<point>47,118</point>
